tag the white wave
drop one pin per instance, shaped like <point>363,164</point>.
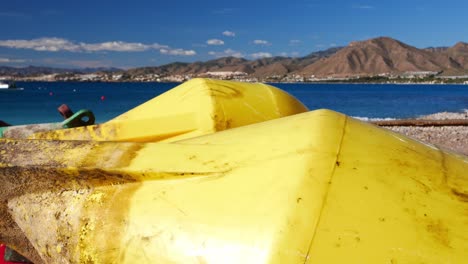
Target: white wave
<point>367,119</point>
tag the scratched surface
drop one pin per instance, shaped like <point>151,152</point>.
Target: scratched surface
<point>317,187</point>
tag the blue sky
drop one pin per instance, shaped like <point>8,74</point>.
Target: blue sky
<point>137,33</point>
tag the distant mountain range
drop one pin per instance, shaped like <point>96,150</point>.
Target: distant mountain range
<point>387,55</point>
<point>257,68</point>
<point>37,70</point>
<point>371,57</point>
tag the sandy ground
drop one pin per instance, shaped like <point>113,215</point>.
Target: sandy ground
<point>454,138</point>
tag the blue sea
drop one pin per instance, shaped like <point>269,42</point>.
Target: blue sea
<point>38,102</point>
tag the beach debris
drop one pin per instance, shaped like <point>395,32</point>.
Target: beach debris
<point>83,117</point>
<point>65,111</point>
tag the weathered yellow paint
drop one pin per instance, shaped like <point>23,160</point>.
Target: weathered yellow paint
<point>194,108</point>
<point>393,201</point>
<point>317,187</point>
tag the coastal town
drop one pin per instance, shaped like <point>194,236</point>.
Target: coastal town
<point>423,77</point>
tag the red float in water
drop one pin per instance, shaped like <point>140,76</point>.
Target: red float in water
<point>103,98</point>
<point>51,93</point>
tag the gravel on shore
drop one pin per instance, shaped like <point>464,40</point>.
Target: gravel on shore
<point>453,138</point>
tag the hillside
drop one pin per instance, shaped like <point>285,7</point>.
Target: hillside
<point>378,56</point>
<point>36,71</point>
<point>258,68</point>
<point>385,55</point>
<point>459,53</point>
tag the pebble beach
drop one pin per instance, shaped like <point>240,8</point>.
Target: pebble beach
<point>453,138</point>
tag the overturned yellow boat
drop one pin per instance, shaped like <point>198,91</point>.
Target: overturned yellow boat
<point>194,108</point>
<point>316,187</point>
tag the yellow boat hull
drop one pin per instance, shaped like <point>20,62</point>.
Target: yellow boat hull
<point>194,108</point>
<point>317,187</point>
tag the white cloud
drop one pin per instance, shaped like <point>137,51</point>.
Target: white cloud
<point>228,33</point>
<point>42,44</point>
<point>7,60</point>
<point>215,42</point>
<point>60,44</point>
<point>226,53</point>
<point>158,46</point>
<point>114,46</point>
<point>322,46</point>
<point>294,42</point>
<point>261,42</point>
<point>295,54</point>
<point>291,54</point>
<point>178,52</point>
<point>363,7</point>
<point>259,55</point>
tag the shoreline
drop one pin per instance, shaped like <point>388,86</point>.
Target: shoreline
<point>451,138</point>
<point>248,81</point>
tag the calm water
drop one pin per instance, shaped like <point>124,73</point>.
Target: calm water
<point>38,102</point>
